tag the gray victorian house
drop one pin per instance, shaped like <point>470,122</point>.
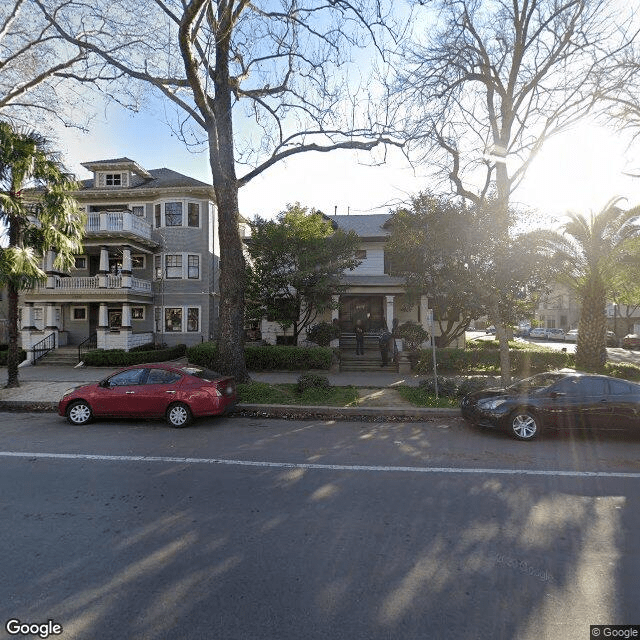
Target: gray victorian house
<point>148,271</point>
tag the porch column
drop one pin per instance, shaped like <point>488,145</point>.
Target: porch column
<point>335,312</point>
<point>103,326</point>
<point>389,311</point>
<point>104,269</point>
<point>28,330</point>
<point>125,328</point>
<point>50,318</point>
<point>126,270</point>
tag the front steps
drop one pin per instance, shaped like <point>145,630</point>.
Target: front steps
<point>60,357</point>
<point>369,361</point>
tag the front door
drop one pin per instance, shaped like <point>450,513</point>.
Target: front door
<point>368,309</point>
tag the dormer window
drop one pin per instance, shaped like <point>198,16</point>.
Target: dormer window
<point>113,179</point>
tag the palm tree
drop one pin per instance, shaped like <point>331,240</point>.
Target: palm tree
<point>592,250</point>
<point>48,218</point>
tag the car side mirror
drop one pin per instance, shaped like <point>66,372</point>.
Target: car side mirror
<point>105,384</point>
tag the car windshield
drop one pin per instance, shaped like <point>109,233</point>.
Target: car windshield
<point>538,381</point>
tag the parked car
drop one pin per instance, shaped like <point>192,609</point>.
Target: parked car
<point>490,329</point>
<point>571,336</point>
<point>538,332</point>
<point>555,334</point>
<point>565,400</point>
<point>611,339</point>
<point>631,341</point>
<point>151,391</point>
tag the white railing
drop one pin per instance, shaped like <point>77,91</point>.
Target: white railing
<point>84,283</point>
<point>140,285</point>
<point>118,221</point>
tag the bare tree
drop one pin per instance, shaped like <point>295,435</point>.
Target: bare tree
<point>493,82</point>
<point>38,68</point>
<point>284,65</point>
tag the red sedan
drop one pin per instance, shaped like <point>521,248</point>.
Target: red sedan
<point>151,391</point>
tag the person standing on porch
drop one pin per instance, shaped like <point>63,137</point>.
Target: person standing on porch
<point>359,331</point>
<point>384,341</point>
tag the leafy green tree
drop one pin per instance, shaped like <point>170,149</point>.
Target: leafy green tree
<point>295,266</point>
<point>593,248</point>
<point>49,220</point>
<point>450,252</point>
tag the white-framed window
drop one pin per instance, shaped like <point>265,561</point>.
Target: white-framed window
<point>173,319</point>
<point>193,319</point>
<point>138,210</point>
<point>177,319</point>
<point>193,267</point>
<point>78,314</point>
<point>138,261</point>
<point>137,313</point>
<point>173,214</point>
<point>80,262</point>
<point>177,213</point>
<point>361,254</point>
<point>173,266</point>
<point>193,214</point>
<point>113,179</point>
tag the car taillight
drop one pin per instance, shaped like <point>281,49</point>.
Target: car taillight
<point>225,387</point>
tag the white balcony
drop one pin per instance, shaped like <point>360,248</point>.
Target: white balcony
<point>91,283</point>
<point>118,221</point>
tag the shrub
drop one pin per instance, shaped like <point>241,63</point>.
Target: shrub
<point>204,355</point>
<point>121,358</point>
<point>266,358</point>
<point>624,370</point>
<point>469,385</point>
<point>323,333</point>
<point>446,386</point>
<point>312,381</point>
<point>22,355</point>
<point>413,334</point>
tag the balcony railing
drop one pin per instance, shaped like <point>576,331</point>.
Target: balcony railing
<point>90,283</point>
<point>113,221</point>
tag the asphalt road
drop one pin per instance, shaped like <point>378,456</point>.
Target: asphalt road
<point>241,529</point>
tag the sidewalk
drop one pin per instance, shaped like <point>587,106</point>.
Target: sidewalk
<point>41,387</point>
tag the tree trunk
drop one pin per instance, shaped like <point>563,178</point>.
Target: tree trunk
<point>231,359</point>
<point>13,358</point>
<point>591,349</point>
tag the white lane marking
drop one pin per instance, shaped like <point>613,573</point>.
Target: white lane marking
<point>319,467</point>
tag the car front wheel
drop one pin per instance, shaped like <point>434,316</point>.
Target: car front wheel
<point>178,415</point>
<point>79,412</point>
<point>524,425</point>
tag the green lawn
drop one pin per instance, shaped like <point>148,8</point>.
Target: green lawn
<point>264,393</point>
<point>420,398</point>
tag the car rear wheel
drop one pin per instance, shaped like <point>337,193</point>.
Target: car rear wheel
<point>79,412</point>
<point>178,415</point>
<point>524,425</point>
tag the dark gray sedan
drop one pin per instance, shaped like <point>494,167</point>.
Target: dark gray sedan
<point>557,399</point>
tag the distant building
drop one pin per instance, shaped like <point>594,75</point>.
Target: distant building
<point>148,271</point>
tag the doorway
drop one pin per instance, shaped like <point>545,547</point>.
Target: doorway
<point>368,309</point>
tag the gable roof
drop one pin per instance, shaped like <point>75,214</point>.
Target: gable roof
<point>366,226</point>
<point>158,178</point>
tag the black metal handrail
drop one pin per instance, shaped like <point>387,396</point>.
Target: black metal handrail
<point>43,347</point>
<point>87,345</point>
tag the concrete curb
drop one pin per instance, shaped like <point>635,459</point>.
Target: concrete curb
<point>291,412</point>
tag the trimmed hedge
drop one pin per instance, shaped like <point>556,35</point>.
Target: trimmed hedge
<point>22,355</point>
<point>267,358</point>
<point>121,358</point>
<point>523,362</point>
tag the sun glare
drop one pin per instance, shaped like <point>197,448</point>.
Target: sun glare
<point>581,170</point>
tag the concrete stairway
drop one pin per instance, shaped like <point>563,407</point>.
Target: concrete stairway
<point>369,361</point>
<point>60,357</point>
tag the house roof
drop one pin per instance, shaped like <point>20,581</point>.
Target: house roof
<point>366,226</point>
<point>158,178</point>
